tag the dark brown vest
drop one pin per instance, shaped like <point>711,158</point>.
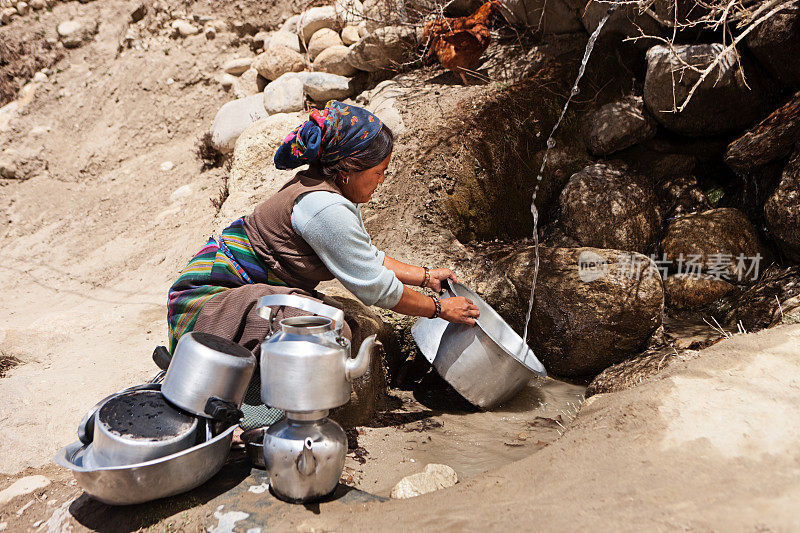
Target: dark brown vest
<point>273,238</point>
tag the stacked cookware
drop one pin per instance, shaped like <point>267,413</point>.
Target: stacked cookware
<point>164,437</point>
<point>306,370</point>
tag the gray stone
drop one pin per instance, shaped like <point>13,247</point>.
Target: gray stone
<point>237,65</point>
<point>558,16</point>
<point>350,35</point>
<point>184,28</point>
<point>607,206</point>
<point>385,48</point>
<point>333,60</point>
<point>285,38</point>
<point>278,60</point>
<point>284,95</point>
<point>711,242</point>
<point>592,307</point>
<point>73,33</point>
<point>321,40</point>
<point>383,103</point>
<point>233,118</point>
<point>248,84</point>
<point>290,26</point>
<point>618,125</point>
<point>782,210</point>
<point>776,45</point>
<point>685,291</point>
<point>321,86</point>
<point>435,477</point>
<point>315,19</point>
<point>772,139</point>
<point>722,103</point>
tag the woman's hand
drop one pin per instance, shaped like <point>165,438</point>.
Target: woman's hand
<point>437,276</point>
<point>459,309</point>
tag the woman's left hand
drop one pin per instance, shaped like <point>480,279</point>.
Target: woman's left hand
<point>438,275</point>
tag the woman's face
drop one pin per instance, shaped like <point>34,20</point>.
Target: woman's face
<point>360,185</point>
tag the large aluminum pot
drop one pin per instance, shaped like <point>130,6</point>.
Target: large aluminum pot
<point>487,363</point>
<point>140,426</point>
<point>142,482</point>
<point>206,373</point>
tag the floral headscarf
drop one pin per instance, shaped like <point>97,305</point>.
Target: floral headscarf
<point>336,132</point>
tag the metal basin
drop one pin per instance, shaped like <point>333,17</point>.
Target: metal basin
<point>254,446</point>
<point>151,480</point>
<point>487,363</point>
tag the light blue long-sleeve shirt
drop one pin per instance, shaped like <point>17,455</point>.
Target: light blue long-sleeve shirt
<point>332,226</point>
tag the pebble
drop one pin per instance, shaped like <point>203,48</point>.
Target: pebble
<point>435,477</point>
<point>237,65</point>
<point>166,166</point>
<point>181,193</point>
<point>184,28</point>
<point>23,486</point>
<point>3,526</point>
<point>40,77</point>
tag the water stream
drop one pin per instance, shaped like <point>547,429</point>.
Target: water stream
<point>551,143</point>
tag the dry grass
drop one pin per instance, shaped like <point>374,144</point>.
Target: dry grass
<point>207,153</point>
<point>7,362</point>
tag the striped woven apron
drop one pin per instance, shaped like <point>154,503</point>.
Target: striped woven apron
<point>222,264</point>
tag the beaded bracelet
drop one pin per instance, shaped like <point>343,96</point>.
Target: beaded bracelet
<point>438,306</point>
<point>427,277</point>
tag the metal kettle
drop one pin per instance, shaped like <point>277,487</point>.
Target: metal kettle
<point>306,365</point>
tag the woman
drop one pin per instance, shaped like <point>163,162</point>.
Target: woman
<point>309,231</point>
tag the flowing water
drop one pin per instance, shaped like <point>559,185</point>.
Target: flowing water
<point>551,142</point>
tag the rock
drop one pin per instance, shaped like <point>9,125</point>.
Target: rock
<point>592,308</point>
<point>253,175</point>
<point>385,48</point>
<point>321,86</point>
<point>719,242</point>
<point>138,13</point>
<point>248,84</point>
<point>333,60</point>
<point>22,8</point>
<point>782,210</point>
<point>321,40</point>
<point>180,194</point>
<point>290,26</point>
<point>40,77</point>
<point>634,370</point>
<point>227,81</point>
<point>316,18</point>
<point>184,28</point>
<point>722,103</point>
<point>776,44</point>
<point>434,477</point>
<point>284,95</point>
<point>38,5</point>
<point>684,291</point>
<point>237,65</point>
<point>73,33</point>
<point>243,28</point>
<point>8,168</point>
<point>350,35</point>
<point>772,300</point>
<point>349,11</point>
<point>233,118</point>
<point>558,15</point>
<point>166,166</point>
<point>617,126</point>
<point>772,139</point>
<point>284,38</point>
<point>382,13</point>
<point>278,60</point>
<point>681,196</point>
<point>382,102</point>
<point>369,391</point>
<point>23,487</point>
<point>7,14</point>
<point>624,22</point>
<point>261,40</point>
<point>607,207</point>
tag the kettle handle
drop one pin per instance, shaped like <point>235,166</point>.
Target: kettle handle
<point>298,302</point>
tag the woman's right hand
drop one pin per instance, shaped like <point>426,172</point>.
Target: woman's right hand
<point>459,310</point>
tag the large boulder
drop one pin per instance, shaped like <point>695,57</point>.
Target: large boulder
<point>681,195</point>
<point>233,118</point>
<point>776,45</point>
<point>381,13</point>
<point>547,16</point>
<point>718,242</point>
<point>248,84</point>
<point>606,206</point>
<point>383,102</point>
<point>278,60</point>
<point>350,35</point>
<point>772,139</point>
<point>782,210</point>
<point>685,291</point>
<point>322,86</point>
<point>253,175</point>
<point>285,38</point>
<point>592,307</point>
<point>333,60</point>
<point>321,40</point>
<point>618,125</point>
<point>731,97</point>
<point>316,18</point>
<point>384,49</point>
<point>284,95</point>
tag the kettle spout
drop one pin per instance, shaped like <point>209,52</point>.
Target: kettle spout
<point>306,464</point>
<point>357,367</point>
